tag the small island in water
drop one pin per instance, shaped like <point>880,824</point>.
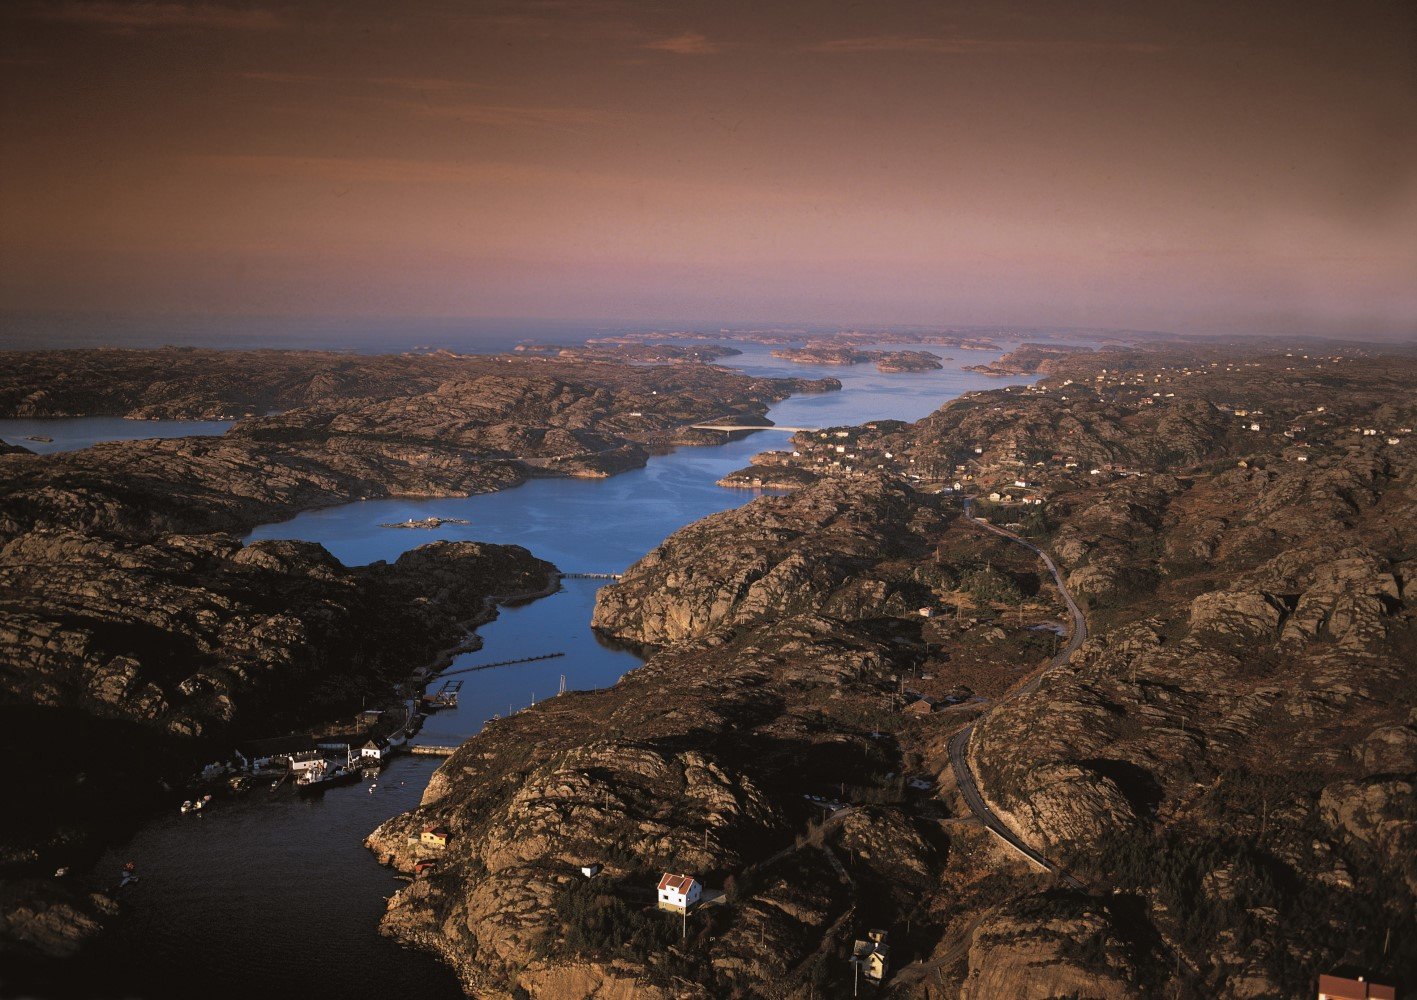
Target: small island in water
<point>426,523</point>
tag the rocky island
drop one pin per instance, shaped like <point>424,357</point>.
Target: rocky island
<point>1026,359</point>
<point>1220,777</point>
<point>830,353</point>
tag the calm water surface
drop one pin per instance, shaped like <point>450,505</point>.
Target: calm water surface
<point>273,889</point>
<point>73,433</point>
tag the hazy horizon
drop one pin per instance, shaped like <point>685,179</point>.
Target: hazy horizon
<point>377,334</point>
<point>1217,169</point>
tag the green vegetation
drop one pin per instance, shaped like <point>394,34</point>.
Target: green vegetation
<point>597,921</point>
<point>990,585</point>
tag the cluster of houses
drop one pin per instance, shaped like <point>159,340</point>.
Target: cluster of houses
<point>298,754</point>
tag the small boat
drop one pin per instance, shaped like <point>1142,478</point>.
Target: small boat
<point>129,876</point>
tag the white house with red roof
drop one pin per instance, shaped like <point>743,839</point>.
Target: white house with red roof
<point>678,892</point>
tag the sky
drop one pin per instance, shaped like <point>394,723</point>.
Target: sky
<point>1208,168</point>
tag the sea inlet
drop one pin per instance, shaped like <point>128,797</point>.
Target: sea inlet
<point>275,890</point>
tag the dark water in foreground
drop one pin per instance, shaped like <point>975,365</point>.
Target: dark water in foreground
<point>272,894</point>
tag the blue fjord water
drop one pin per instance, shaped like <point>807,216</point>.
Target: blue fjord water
<point>274,893</point>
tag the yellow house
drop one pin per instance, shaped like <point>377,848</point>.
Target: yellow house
<point>434,836</point>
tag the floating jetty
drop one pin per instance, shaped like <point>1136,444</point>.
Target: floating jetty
<point>489,666</point>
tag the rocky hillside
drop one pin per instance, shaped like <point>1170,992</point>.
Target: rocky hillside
<point>791,639</point>
<point>500,420</point>
<point>135,664</point>
<point>132,618</point>
<point>843,549</point>
<point>1227,764</point>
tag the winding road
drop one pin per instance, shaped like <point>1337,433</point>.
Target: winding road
<point>959,743</point>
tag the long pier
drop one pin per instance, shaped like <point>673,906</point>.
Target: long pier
<point>501,663</point>
<point>427,750</point>
<point>750,427</point>
<point>590,576</point>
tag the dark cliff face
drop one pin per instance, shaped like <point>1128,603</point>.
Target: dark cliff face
<point>175,650</point>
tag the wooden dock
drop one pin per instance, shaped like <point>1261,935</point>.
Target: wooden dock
<point>426,750</point>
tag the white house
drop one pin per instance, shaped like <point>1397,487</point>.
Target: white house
<point>678,892</point>
<point>374,750</point>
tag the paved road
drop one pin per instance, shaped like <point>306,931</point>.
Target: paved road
<point>959,743</point>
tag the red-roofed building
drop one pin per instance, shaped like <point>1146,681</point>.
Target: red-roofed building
<point>678,892</point>
<point>1343,988</point>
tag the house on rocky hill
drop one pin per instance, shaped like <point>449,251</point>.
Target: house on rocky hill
<point>678,892</point>
<point>434,836</point>
<point>871,956</point>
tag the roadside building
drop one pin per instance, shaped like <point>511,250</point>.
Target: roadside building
<point>1343,988</point>
<point>678,892</point>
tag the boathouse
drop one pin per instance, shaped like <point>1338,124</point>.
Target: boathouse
<point>377,749</point>
<point>259,755</point>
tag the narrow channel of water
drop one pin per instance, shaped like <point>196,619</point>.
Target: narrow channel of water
<point>48,435</point>
<point>276,891</point>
